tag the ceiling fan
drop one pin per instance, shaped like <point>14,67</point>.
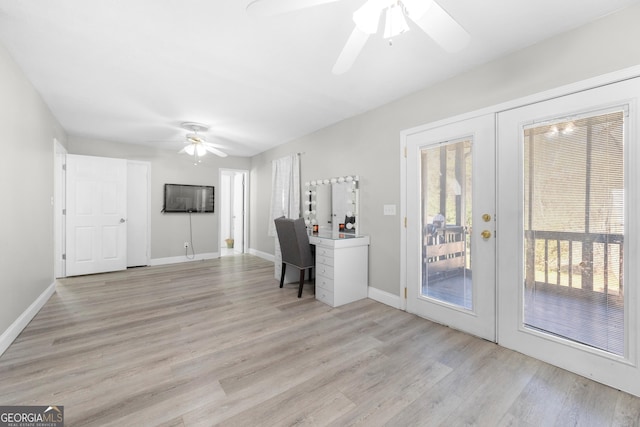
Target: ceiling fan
<point>197,146</point>
<point>426,14</point>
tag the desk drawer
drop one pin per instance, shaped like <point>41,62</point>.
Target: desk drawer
<point>324,296</point>
<point>324,260</point>
<point>324,283</point>
<point>324,270</point>
<point>324,251</point>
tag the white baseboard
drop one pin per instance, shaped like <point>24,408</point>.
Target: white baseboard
<point>385,297</point>
<point>179,259</point>
<point>263,255</point>
<point>23,320</point>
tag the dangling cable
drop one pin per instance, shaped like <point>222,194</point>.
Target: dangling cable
<point>186,250</point>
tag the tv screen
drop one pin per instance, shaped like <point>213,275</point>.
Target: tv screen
<point>188,198</point>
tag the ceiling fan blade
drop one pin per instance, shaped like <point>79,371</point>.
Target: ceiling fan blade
<point>350,51</point>
<point>276,7</point>
<point>440,26</point>
<point>215,151</point>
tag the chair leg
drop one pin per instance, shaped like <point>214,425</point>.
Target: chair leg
<point>301,283</point>
<point>284,268</point>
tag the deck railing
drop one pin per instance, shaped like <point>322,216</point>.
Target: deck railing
<point>588,261</point>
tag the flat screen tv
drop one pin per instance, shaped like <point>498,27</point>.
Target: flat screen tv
<point>188,198</point>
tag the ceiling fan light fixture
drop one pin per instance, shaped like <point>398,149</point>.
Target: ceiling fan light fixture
<point>200,149</point>
<point>395,22</point>
<point>190,149</point>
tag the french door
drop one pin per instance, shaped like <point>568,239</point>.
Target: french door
<point>554,273</point>
<point>568,232</point>
<point>451,227</point>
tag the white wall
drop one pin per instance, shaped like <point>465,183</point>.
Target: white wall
<point>169,231</point>
<point>369,144</point>
<point>27,130</point>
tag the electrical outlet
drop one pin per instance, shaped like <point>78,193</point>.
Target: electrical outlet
<point>186,244</point>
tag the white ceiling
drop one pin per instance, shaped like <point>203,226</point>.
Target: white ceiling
<point>133,70</point>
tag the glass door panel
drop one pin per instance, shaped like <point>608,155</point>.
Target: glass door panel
<point>446,218</point>
<point>574,229</point>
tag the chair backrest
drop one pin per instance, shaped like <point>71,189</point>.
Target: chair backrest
<point>294,242</point>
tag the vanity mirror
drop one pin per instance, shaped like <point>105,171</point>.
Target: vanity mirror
<point>331,205</point>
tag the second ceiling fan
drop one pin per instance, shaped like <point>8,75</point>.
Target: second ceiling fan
<point>426,14</point>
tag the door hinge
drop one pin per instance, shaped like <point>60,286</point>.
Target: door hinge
<point>405,151</point>
<point>405,222</point>
<point>405,293</point>
<point>64,211</point>
<point>64,257</point>
<point>64,166</point>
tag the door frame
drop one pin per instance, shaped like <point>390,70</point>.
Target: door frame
<point>59,207</point>
<point>245,212</point>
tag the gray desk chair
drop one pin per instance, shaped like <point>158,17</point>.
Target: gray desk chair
<point>295,247</point>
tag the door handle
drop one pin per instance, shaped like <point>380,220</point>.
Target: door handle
<point>485,234</point>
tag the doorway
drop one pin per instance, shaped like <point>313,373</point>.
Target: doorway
<point>233,225</point>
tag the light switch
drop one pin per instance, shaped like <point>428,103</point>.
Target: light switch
<point>389,209</point>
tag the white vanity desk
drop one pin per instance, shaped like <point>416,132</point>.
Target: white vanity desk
<point>342,267</point>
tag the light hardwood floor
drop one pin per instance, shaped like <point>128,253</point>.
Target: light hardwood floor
<point>218,343</point>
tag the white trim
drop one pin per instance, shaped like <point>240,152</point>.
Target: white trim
<point>385,297</point>
<point>182,258</point>
<point>12,332</point>
<point>263,255</point>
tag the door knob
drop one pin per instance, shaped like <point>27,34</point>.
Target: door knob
<point>486,217</point>
<point>485,234</point>
<point>122,220</point>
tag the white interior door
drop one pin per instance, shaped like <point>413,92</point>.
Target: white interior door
<point>138,206</point>
<point>450,228</point>
<point>96,215</point>
<point>568,232</point>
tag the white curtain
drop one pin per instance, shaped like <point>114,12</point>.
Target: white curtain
<point>285,190</point>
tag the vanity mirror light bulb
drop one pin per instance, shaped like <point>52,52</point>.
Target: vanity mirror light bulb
<point>307,193</point>
<point>349,225</point>
<point>349,178</point>
<point>306,184</point>
<point>313,183</point>
<point>307,222</point>
<point>326,181</point>
<point>341,179</point>
<point>313,212</point>
<point>308,202</point>
<point>313,221</point>
<point>333,180</point>
<point>307,213</point>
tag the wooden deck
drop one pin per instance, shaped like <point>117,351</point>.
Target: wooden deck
<point>218,343</point>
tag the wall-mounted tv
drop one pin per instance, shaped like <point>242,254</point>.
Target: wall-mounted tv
<point>188,198</point>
